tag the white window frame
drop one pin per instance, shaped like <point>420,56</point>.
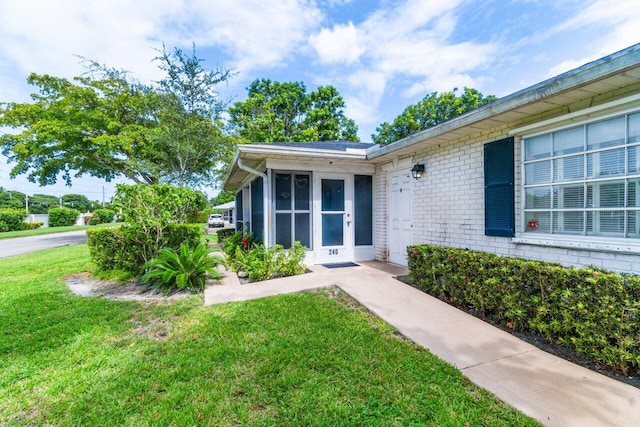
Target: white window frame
<point>627,243</point>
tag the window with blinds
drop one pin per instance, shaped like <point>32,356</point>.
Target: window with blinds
<point>584,180</point>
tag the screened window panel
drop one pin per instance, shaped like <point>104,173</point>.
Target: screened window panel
<point>283,191</point>
<point>332,229</point>
<point>363,210</point>
<point>239,210</point>
<point>606,134</point>
<point>538,172</point>
<point>568,141</point>
<point>568,168</point>
<point>605,163</point>
<point>538,198</point>
<point>633,224</point>
<point>303,229</point>
<point>634,128</point>
<point>257,210</point>
<point>538,147</point>
<point>283,229</point>
<point>332,195</point>
<point>568,196</point>
<point>544,221</point>
<point>302,187</point>
<point>568,222</point>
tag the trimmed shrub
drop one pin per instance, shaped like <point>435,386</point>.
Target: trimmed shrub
<point>125,248</point>
<point>62,217</point>
<point>593,311</point>
<point>102,216</point>
<point>11,220</point>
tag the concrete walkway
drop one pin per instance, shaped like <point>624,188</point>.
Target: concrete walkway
<point>548,388</point>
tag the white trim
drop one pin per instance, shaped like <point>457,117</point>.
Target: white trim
<point>572,242</point>
<point>578,118</point>
<point>323,167</point>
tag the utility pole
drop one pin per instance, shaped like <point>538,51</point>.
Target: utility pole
<point>103,196</point>
<point>60,200</point>
<point>26,203</point>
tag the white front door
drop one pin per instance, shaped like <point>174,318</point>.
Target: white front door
<point>333,218</point>
<point>400,207</point>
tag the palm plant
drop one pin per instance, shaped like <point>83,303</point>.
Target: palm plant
<point>184,269</point>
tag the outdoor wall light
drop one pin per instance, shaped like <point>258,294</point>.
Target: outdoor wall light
<point>417,170</point>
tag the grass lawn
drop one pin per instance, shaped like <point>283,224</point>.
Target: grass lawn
<point>302,359</point>
<point>51,230</point>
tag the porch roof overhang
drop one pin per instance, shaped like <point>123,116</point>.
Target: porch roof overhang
<point>255,156</point>
<point>616,75</point>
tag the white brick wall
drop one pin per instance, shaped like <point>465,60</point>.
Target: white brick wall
<point>448,209</point>
<point>381,214</point>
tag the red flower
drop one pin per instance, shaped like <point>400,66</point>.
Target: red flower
<point>245,243</point>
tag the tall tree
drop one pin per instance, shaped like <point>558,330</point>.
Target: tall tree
<point>41,203</point>
<point>285,112</point>
<point>11,199</point>
<point>106,124</point>
<point>434,108</point>
<point>189,136</point>
<point>78,202</point>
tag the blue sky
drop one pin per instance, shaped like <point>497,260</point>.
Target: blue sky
<point>380,55</point>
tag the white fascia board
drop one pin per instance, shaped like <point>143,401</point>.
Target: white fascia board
<point>321,166</point>
<point>266,150</point>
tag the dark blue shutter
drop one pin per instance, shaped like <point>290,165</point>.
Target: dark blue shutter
<point>499,202</point>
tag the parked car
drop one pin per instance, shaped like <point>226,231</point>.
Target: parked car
<point>216,220</point>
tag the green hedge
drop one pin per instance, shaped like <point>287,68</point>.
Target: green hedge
<point>102,216</point>
<point>593,311</point>
<point>11,220</point>
<point>32,225</point>
<point>120,249</point>
<point>62,217</point>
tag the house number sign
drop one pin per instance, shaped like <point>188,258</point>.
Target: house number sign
<point>333,252</point>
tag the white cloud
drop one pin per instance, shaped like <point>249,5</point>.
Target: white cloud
<point>43,36</point>
<point>337,45</point>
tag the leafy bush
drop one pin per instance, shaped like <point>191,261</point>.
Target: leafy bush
<point>150,210</point>
<point>261,263</point>
<point>102,216</point>
<point>237,239</point>
<point>185,269</point>
<point>594,311</point>
<point>32,225</point>
<point>158,203</point>
<point>223,234</point>
<point>62,217</point>
<point>123,248</point>
<point>200,217</point>
<point>11,220</point>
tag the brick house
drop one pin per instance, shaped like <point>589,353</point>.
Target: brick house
<point>551,172</point>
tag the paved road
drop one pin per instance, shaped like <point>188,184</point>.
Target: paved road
<point>23,245</point>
